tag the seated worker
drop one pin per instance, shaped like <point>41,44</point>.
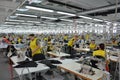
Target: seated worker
<point>87,36</point>
<point>65,38</point>
<point>114,42</point>
<point>50,46</point>
<point>70,44</point>
<point>35,48</point>
<point>92,45</point>
<point>6,40</point>
<point>100,53</point>
<point>19,40</point>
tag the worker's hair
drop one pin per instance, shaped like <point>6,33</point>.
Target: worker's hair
<point>92,40</point>
<point>102,46</point>
<point>31,35</point>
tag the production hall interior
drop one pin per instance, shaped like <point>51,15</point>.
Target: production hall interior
<point>59,39</point>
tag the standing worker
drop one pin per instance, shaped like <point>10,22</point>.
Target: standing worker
<point>35,48</point>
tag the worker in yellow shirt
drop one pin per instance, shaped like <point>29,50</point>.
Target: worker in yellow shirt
<point>65,38</point>
<point>87,37</point>
<point>49,45</point>
<point>71,42</point>
<point>100,53</point>
<point>71,45</point>
<point>45,39</point>
<point>19,40</point>
<point>92,45</point>
<point>35,48</point>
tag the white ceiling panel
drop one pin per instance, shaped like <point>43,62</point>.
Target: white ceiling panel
<point>7,7</point>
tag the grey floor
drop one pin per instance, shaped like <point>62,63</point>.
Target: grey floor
<point>4,68</point>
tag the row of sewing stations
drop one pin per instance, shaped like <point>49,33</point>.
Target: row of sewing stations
<point>77,66</point>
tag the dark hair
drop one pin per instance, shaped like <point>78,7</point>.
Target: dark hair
<point>102,46</point>
<point>31,35</point>
<point>93,40</point>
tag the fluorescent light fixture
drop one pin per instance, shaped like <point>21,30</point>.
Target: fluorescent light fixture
<point>80,22</point>
<point>98,20</point>
<point>49,18</point>
<point>33,21</point>
<point>107,21</point>
<point>67,20</point>
<point>6,25</point>
<point>21,9</point>
<point>26,15</point>
<point>49,23</point>
<point>69,14</point>
<point>13,16</point>
<point>11,23</point>
<point>15,20</point>
<point>39,9</point>
<point>85,17</point>
<point>35,1</point>
<point>27,23</point>
<point>60,24</point>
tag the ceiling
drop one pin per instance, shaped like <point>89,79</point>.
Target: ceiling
<point>68,12</point>
<point>7,7</point>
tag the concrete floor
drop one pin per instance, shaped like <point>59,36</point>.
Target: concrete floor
<point>4,68</point>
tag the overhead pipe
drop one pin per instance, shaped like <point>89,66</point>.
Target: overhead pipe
<point>94,10</point>
<point>99,9</point>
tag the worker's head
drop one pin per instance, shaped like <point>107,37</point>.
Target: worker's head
<point>93,41</point>
<point>31,36</point>
<point>102,46</point>
<point>76,37</point>
<point>113,40</point>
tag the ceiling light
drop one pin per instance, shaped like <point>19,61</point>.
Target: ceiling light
<point>80,22</point>
<point>85,17</point>
<point>98,20</point>
<point>49,18</point>
<point>35,1</point>
<point>22,9</point>
<point>39,9</point>
<point>107,21</point>
<point>33,21</point>
<point>6,25</point>
<point>69,14</point>
<point>26,15</point>
<point>13,16</point>
<point>11,23</point>
<point>26,23</point>
<point>15,20</point>
<point>67,20</point>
